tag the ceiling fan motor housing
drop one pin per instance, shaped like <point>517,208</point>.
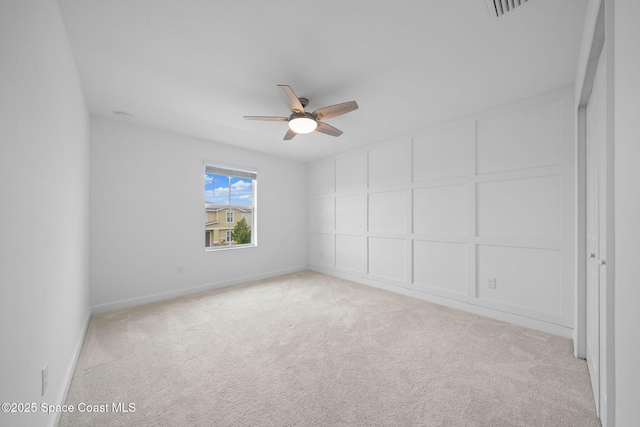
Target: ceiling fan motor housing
<point>299,115</point>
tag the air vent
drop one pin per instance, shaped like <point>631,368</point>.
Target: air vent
<point>497,8</point>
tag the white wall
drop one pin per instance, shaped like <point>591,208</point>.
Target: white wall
<point>438,213</point>
<point>44,214</point>
<point>626,67</point>
<point>147,216</point>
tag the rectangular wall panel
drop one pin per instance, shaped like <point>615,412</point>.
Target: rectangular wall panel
<point>522,208</point>
<point>525,278</point>
<point>388,212</point>
<point>440,265</point>
<point>321,214</point>
<point>522,139</point>
<point>350,213</point>
<point>349,253</point>
<point>389,165</point>
<point>387,258</point>
<point>440,210</point>
<point>351,172</point>
<point>444,154</point>
<point>321,178</point>
<point>321,249</point>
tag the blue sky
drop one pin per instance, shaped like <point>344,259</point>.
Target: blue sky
<point>216,190</point>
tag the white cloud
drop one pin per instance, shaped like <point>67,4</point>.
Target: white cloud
<point>241,185</point>
<point>218,195</point>
<point>241,193</point>
<point>221,191</point>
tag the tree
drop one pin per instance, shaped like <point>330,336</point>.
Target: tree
<point>241,232</point>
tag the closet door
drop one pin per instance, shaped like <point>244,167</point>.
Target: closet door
<point>596,237</point>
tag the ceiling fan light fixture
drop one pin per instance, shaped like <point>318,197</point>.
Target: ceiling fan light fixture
<point>303,124</point>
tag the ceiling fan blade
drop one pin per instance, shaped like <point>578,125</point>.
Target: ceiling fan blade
<point>335,110</point>
<point>267,118</point>
<point>290,98</point>
<point>289,135</point>
<point>328,129</point>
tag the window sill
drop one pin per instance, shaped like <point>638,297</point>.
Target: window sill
<point>228,248</point>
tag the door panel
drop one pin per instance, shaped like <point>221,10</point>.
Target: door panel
<point>596,237</point>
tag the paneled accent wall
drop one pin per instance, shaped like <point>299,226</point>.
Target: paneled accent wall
<point>475,214</point>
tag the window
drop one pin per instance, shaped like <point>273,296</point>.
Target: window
<point>229,194</point>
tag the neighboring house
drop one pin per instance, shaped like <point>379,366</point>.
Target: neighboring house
<point>220,221</point>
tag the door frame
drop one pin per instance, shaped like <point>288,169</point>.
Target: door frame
<point>597,36</point>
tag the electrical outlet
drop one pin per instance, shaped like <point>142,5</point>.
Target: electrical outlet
<point>45,378</point>
<point>491,283</point>
<point>180,269</point>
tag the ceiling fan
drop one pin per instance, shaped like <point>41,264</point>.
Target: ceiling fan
<point>302,122</point>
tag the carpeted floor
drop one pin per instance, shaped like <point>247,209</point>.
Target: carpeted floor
<point>308,349</point>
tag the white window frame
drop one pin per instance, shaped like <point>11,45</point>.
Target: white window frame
<point>234,172</point>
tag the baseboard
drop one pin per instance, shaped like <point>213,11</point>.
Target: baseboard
<point>132,302</point>
<point>515,319</point>
<point>54,418</point>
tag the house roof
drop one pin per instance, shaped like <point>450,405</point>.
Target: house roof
<point>212,208</point>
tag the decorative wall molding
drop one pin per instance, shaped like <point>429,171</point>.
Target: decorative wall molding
<point>444,211</point>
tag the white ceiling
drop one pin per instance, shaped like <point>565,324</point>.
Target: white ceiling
<point>197,66</point>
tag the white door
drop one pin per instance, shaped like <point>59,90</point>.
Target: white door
<point>596,239</point>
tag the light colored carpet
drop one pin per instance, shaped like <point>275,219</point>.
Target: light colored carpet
<point>308,349</point>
